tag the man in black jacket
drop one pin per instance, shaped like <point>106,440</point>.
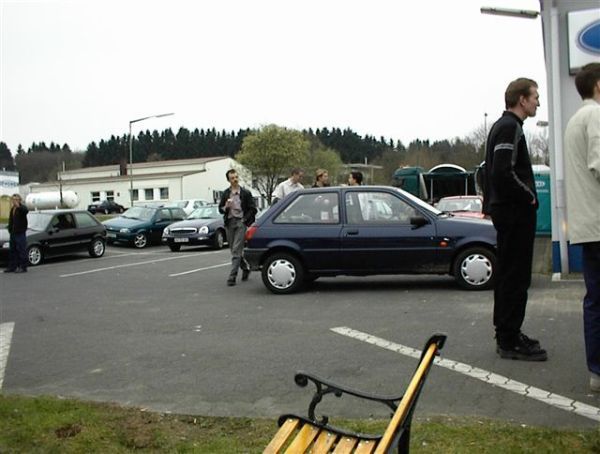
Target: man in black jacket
<point>239,211</point>
<point>511,200</point>
<point>17,226</point>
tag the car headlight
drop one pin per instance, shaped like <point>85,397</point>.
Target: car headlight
<point>203,230</point>
<point>166,231</point>
<point>125,230</point>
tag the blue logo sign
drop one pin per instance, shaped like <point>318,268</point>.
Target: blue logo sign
<point>589,38</point>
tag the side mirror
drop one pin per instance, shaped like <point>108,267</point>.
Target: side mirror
<point>418,221</point>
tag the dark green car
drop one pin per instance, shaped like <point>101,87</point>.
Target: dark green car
<point>141,226</point>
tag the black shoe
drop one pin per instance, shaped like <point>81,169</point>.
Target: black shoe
<point>528,340</point>
<point>245,274</point>
<point>21,270</point>
<point>231,281</point>
<point>10,270</point>
<point>522,351</point>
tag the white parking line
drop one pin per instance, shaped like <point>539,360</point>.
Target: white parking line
<point>6,330</point>
<point>200,269</point>
<point>547,397</point>
<point>126,265</point>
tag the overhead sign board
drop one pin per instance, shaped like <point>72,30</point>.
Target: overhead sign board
<point>584,38</point>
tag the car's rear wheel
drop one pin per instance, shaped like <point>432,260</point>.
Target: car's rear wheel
<point>35,255</point>
<point>106,211</point>
<point>475,268</point>
<point>283,273</point>
<point>120,210</point>
<point>174,247</point>
<point>97,248</point>
<point>140,241</point>
<point>218,240</point>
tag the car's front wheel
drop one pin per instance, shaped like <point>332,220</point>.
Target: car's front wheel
<point>140,241</point>
<point>97,248</point>
<point>283,273</point>
<point>174,247</point>
<point>35,255</point>
<point>218,240</point>
<point>475,268</point>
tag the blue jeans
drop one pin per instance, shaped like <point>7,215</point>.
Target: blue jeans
<point>18,251</point>
<point>591,304</point>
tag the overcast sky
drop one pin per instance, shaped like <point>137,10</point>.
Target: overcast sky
<point>78,71</point>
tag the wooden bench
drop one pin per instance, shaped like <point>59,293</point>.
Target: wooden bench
<point>298,434</point>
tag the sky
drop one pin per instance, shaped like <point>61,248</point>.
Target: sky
<point>79,71</point>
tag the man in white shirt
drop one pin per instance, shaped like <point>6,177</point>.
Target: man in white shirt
<point>582,177</point>
<point>293,183</point>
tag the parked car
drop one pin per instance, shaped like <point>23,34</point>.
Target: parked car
<point>462,205</point>
<point>367,230</point>
<point>204,226</point>
<point>141,226</point>
<point>106,207</point>
<point>188,205</point>
<point>59,232</point>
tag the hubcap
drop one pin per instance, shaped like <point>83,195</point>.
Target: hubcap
<point>35,256</point>
<point>98,247</point>
<point>281,274</point>
<point>476,269</point>
<point>220,239</point>
<point>140,241</point>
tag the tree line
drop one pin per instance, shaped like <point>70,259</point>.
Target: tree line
<point>41,162</point>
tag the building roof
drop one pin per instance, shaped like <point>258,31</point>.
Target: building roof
<point>146,165</point>
<point>138,177</point>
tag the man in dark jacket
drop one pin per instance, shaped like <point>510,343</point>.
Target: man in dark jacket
<point>17,226</point>
<point>239,212</point>
<point>511,199</point>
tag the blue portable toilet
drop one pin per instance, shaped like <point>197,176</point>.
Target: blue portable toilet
<point>541,175</point>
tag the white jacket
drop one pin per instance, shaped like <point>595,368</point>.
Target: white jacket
<point>582,173</point>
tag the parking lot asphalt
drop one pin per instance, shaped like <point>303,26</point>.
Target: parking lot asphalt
<point>161,330</point>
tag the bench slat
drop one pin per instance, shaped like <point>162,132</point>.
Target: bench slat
<point>303,439</point>
<point>324,442</point>
<point>345,445</point>
<point>365,447</point>
<point>282,436</point>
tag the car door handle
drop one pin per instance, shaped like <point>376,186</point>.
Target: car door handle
<point>352,232</point>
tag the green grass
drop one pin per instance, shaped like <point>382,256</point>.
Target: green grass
<point>52,425</point>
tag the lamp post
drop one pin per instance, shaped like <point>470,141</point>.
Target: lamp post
<point>131,151</point>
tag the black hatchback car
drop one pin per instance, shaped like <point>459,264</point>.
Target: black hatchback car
<point>60,232</point>
<point>367,230</point>
<point>106,207</point>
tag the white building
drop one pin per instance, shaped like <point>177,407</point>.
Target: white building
<point>202,178</point>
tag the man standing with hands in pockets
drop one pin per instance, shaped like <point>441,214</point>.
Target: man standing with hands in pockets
<point>239,212</point>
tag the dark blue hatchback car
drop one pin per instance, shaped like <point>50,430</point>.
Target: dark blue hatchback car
<point>367,230</point>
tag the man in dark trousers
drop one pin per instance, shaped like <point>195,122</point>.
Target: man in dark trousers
<point>17,226</point>
<point>239,212</point>
<point>511,200</point>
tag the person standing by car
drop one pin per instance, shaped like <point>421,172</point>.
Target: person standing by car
<point>17,228</point>
<point>293,183</point>
<point>582,172</point>
<point>321,179</point>
<point>511,199</point>
<point>239,211</point>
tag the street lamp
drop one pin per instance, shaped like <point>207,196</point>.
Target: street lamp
<point>131,151</point>
<point>524,13</point>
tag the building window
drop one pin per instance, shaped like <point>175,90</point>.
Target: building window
<point>135,195</point>
<point>95,197</point>
<point>164,193</point>
<point>110,195</point>
<point>148,194</point>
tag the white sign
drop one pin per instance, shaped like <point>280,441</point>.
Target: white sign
<point>584,38</point>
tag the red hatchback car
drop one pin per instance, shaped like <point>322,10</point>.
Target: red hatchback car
<point>462,205</point>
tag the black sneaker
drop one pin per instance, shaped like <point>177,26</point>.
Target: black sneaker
<point>528,340</point>
<point>231,281</point>
<point>21,270</point>
<point>10,270</point>
<point>245,274</point>
<point>522,351</point>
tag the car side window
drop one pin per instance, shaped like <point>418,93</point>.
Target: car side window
<point>312,208</point>
<point>85,220</point>
<point>63,221</point>
<point>163,215</point>
<point>377,208</point>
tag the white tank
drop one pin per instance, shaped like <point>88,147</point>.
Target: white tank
<point>50,200</point>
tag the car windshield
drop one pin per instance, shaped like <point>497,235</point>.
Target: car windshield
<point>38,221</point>
<point>179,204</point>
<point>141,213</point>
<point>419,202</point>
<point>460,205</point>
<point>205,213</point>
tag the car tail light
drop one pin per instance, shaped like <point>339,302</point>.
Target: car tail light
<point>250,232</point>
